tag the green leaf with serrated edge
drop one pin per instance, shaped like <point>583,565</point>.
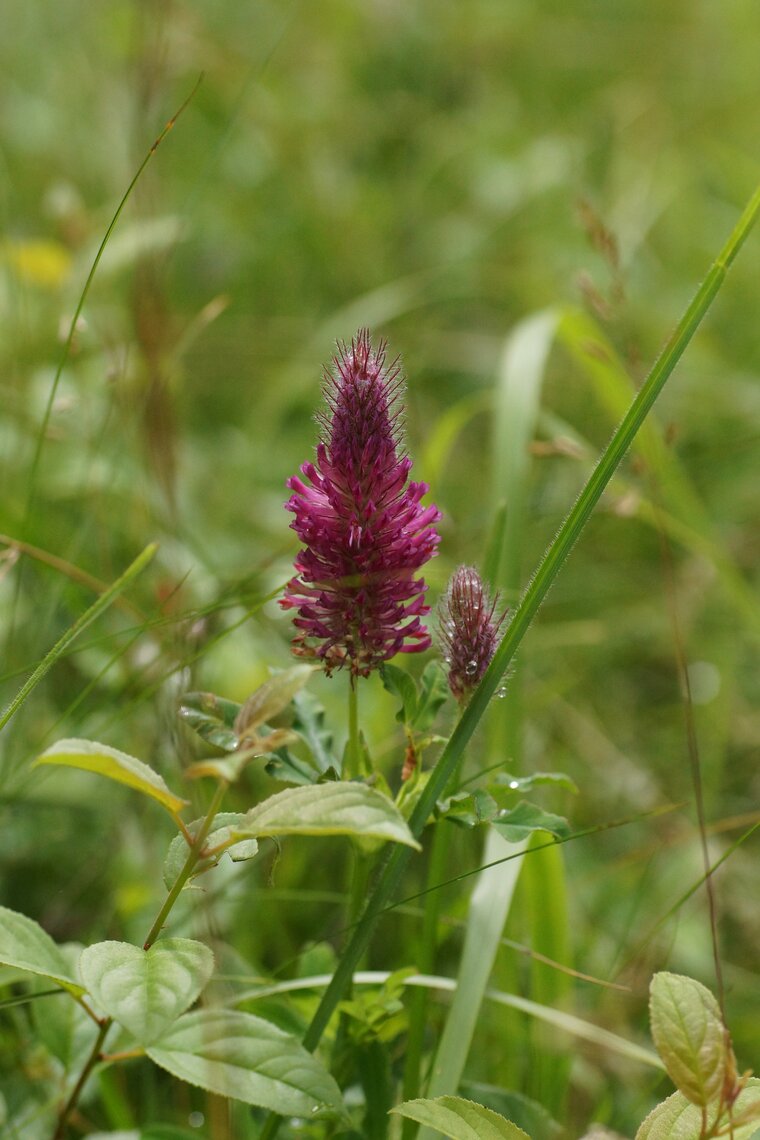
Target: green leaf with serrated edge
<point>460,1119</point>
<point>223,822</point>
<point>688,1031</point>
<point>288,768</point>
<point>523,819</point>
<point>367,844</point>
<point>230,767</point>
<point>379,1014</point>
<point>24,945</point>
<point>678,1119</point>
<point>63,1027</point>
<point>526,1113</point>
<point>399,684</point>
<point>212,717</point>
<point>535,780</point>
<point>328,809</point>
<point>146,990</point>
<point>469,808</point>
<point>89,756</point>
<point>434,692</point>
<point>241,1056</point>
<point>309,723</point>
<point>271,698</point>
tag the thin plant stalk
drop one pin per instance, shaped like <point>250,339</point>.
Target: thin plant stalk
<point>353,754</point>
<point>193,856</point>
<point>425,963</point>
<point>354,768</point>
<point>89,1065</point>
<point>42,433</point>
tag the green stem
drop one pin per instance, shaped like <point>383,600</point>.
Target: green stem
<point>357,864</point>
<point>360,872</point>
<point>353,757</point>
<point>271,1127</point>
<point>425,963</point>
<point>426,956</point>
<point>89,1065</point>
<point>193,856</point>
<point>395,863</point>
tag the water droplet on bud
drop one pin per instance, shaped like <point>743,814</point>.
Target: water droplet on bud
<point>471,668</point>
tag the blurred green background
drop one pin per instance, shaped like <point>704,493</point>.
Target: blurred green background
<point>439,172</point>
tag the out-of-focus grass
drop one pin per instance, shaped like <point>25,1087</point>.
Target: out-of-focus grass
<point>438,171</point>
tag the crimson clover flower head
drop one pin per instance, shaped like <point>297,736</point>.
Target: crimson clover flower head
<point>364,530</point>
<point>469,630</point>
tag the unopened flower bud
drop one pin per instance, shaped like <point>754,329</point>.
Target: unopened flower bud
<point>469,630</point>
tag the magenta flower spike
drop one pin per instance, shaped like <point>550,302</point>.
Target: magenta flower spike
<point>469,630</point>
<point>364,528</point>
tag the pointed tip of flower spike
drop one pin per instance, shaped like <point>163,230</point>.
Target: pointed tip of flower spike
<point>364,531</point>
<point>468,630</point>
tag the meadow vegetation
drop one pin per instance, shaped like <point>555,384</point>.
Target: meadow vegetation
<point>523,199</point>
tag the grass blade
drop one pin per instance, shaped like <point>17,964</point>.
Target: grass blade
<point>518,394</point>
<point>489,907</point>
<point>42,433</point>
<point>96,609</point>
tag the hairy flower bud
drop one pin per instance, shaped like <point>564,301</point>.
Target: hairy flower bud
<point>469,630</point>
<point>364,529</point>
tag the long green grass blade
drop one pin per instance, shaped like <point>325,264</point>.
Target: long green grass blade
<point>63,643</point>
<point>489,907</point>
<point>567,1022</point>
<point>43,429</point>
<point>544,888</point>
<point>682,510</point>
<point>518,396</point>
<point>551,564</point>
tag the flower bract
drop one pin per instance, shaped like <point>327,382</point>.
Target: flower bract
<point>469,630</point>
